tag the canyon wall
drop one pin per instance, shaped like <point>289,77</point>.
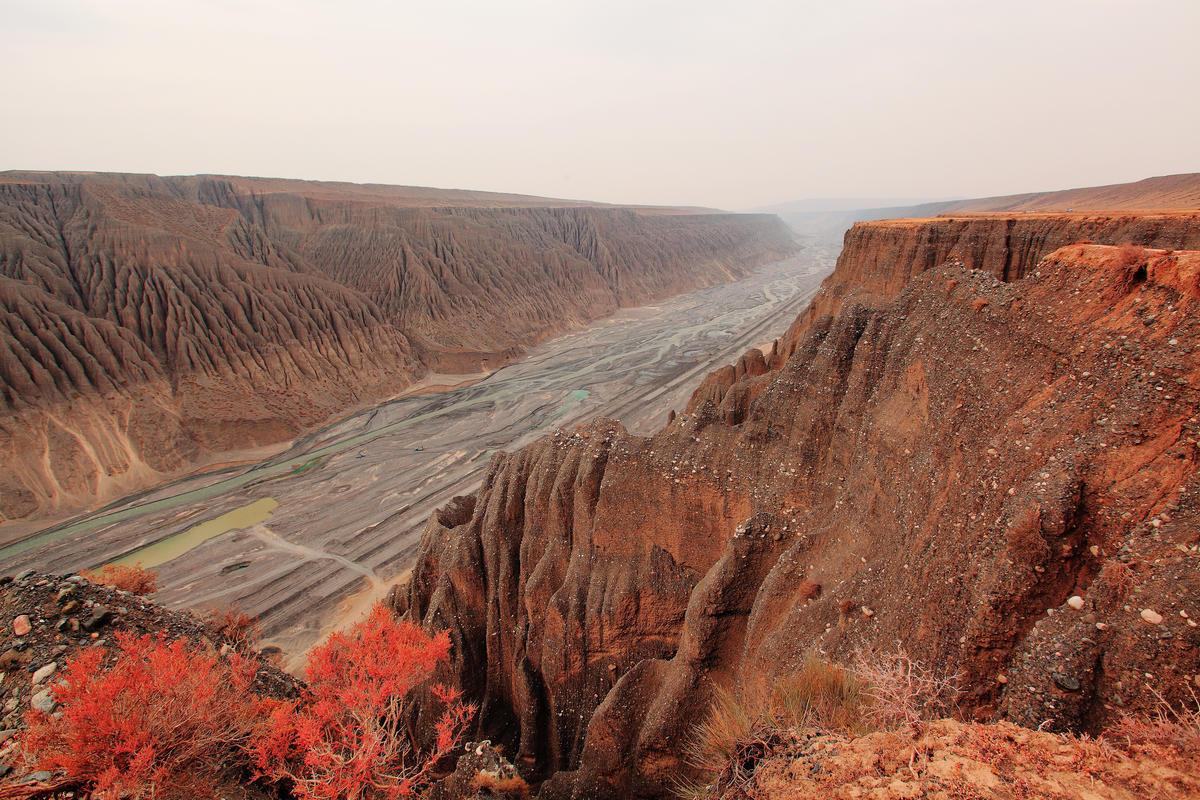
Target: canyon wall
<point>151,324</point>
<point>879,258</point>
<point>943,468</point>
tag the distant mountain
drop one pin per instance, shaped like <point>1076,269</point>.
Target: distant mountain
<point>149,324</point>
<point>827,217</point>
<point>815,205</point>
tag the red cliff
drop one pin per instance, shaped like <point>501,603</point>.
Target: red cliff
<point>944,468</point>
<point>879,259</point>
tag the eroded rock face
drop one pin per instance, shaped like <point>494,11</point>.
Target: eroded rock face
<point>960,460</point>
<point>879,258</point>
<point>148,324</point>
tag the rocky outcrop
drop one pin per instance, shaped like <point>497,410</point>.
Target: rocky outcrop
<point>150,324</point>
<point>880,258</point>
<point>944,469</point>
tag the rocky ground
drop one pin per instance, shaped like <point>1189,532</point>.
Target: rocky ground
<point>948,760</point>
<point>881,257</point>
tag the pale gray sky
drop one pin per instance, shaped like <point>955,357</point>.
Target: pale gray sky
<point>731,104</point>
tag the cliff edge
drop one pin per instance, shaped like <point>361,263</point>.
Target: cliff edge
<point>995,468</point>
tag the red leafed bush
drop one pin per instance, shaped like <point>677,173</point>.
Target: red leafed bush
<point>348,737</point>
<point>157,720</point>
<point>134,578</point>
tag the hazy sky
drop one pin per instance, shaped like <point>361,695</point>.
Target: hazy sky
<point>732,104</point>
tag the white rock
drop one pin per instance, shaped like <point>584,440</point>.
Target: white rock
<point>1075,602</point>
<point>45,672</point>
<point>1152,616</point>
<point>44,701</point>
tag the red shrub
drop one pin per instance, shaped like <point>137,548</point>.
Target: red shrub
<point>119,576</point>
<point>348,736</point>
<point>158,720</point>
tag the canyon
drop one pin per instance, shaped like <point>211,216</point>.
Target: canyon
<point>979,442</point>
<point>973,437</point>
<point>151,325</point>
<point>304,538</point>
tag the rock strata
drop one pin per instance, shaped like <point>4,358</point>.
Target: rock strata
<point>879,259</point>
<point>961,459</point>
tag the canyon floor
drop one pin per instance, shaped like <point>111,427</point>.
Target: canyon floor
<point>309,536</point>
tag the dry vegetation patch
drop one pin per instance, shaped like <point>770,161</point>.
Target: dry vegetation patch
<point>134,579</point>
<point>881,730</point>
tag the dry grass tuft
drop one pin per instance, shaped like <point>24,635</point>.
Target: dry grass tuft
<point>883,691</point>
<point>1118,578</point>
<point>809,590</point>
<point>741,730</point>
<point>1170,734</point>
<point>240,629</point>
<point>135,579</point>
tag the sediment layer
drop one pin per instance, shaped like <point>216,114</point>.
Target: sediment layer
<point>879,258</point>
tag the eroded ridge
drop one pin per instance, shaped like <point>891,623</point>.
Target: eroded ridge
<point>945,469</point>
<point>149,324</point>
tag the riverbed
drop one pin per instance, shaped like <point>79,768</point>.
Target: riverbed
<point>310,537</point>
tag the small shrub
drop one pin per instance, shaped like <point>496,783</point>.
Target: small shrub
<point>239,628</point>
<point>133,579</point>
<point>1130,254</point>
<point>902,692</point>
<point>156,720</point>
<point>348,736</point>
